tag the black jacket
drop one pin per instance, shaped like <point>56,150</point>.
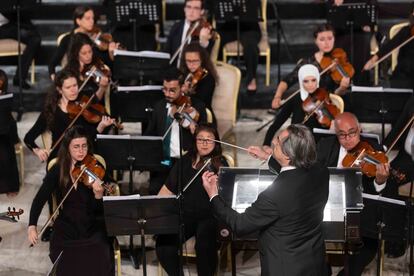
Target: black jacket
<point>288,216</point>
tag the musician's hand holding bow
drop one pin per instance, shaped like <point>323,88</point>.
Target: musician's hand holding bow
<point>382,173</point>
<point>32,234</point>
<point>210,180</point>
<point>370,63</point>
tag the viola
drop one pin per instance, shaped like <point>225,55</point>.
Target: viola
<point>101,39</point>
<point>88,170</point>
<point>194,78</point>
<point>342,68</point>
<point>96,73</point>
<point>319,104</point>
<point>92,113</point>
<point>184,103</point>
<point>366,158</point>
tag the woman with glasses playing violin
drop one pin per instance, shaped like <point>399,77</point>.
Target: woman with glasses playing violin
<point>201,76</point>
<point>324,40</point>
<point>83,22</point>
<point>197,215</point>
<point>79,229</point>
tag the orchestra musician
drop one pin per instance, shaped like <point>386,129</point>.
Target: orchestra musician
<point>289,213</point>
<point>403,74</point>
<point>197,215</point>
<point>309,78</point>
<point>324,40</point>
<point>81,60</point>
<point>9,178</point>
<point>83,22</point>
<point>163,117</point>
<point>202,74</point>
<point>331,152</point>
<point>79,229</point>
<point>194,12</point>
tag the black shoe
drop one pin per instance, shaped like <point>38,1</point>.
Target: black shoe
<point>25,84</point>
<point>46,235</point>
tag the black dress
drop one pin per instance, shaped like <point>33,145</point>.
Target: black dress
<point>9,176</point>
<point>79,229</point>
<point>198,222</point>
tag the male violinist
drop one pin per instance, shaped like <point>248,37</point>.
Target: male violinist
<point>193,11</point>
<point>161,119</point>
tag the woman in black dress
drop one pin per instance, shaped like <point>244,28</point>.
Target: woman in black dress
<point>55,117</point>
<point>195,59</point>
<point>83,22</point>
<point>9,178</point>
<point>79,229</point>
<point>197,216</point>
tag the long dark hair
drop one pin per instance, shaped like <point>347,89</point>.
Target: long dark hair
<point>79,12</point>
<point>204,57</point>
<point>215,154</point>
<point>53,96</point>
<point>5,82</point>
<point>78,41</point>
<point>64,158</point>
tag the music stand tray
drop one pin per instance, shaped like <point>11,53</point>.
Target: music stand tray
<point>352,14</point>
<point>141,215</point>
<point>141,12</point>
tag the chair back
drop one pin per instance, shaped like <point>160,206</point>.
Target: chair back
<point>64,60</point>
<point>216,48</point>
<point>393,31</point>
<point>338,101</point>
<point>225,96</point>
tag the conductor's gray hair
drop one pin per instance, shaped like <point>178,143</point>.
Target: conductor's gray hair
<point>299,146</point>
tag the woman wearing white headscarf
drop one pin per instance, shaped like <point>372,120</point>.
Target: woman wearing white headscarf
<point>308,77</point>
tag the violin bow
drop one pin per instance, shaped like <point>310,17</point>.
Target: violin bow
<point>179,110</point>
<point>60,205</point>
<point>400,134</point>
<point>179,50</point>
<point>195,176</point>
<point>390,52</point>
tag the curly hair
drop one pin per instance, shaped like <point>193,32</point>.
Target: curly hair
<point>204,57</point>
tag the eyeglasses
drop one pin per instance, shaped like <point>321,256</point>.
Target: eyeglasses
<point>344,136</point>
<point>202,141</point>
<point>192,61</point>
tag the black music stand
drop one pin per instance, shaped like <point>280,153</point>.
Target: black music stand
<point>141,215</point>
<point>352,15</point>
<point>136,103</point>
<point>130,65</point>
<point>53,269</point>
<point>137,12</point>
<point>125,152</point>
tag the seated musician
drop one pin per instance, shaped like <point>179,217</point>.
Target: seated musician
<point>309,77</point>
<point>83,22</point>
<point>193,11</point>
<point>81,60</point>
<point>197,215</point>
<point>79,229</point>
<point>325,40</point>
<point>163,117</point>
<point>402,76</point>
<point>250,36</point>
<point>202,74</point>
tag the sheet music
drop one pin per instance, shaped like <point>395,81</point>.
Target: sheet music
<point>145,54</point>
<point>7,96</point>
<point>127,137</point>
<point>384,199</point>
<point>139,88</point>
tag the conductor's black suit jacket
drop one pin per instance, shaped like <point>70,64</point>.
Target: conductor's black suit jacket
<point>288,216</point>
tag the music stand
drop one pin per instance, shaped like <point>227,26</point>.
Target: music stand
<point>53,269</point>
<point>378,104</point>
<point>137,65</point>
<point>141,215</point>
<point>352,15</point>
<point>135,103</point>
<point>125,152</point>
<point>137,12</point>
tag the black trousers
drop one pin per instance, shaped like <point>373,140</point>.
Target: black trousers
<point>250,40</point>
<point>204,231</point>
<point>29,36</point>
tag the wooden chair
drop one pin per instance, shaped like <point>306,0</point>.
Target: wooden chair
<point>393,31</point>
<point>9,47</point>
<point>216,48</point>
<point>230,49</point>
<point>20,161</point>
<point>338,101</point>
<point>58,41</point>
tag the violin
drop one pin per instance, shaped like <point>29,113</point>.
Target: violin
<point>184,103</point>
<point>194,78</point>
<point>11,214</point>
<point>96,74</point>
<point>203,23</point>
<point>319,104</point>
<point>367,158</point>
<point>93,170</point>
<point>92,113</point>
<point>101,40</point>
<point>342,68</point>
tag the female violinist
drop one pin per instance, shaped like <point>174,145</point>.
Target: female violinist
<point>83,22</point>
<point>81,60</point>
<point>79,229</point>
<point>201,76</point>
<point>198,217</point>
<point>9,178</point>
<point>324,40</point>
<point>309,78</point>
<point>55,117</point>
<point>403,74</point>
